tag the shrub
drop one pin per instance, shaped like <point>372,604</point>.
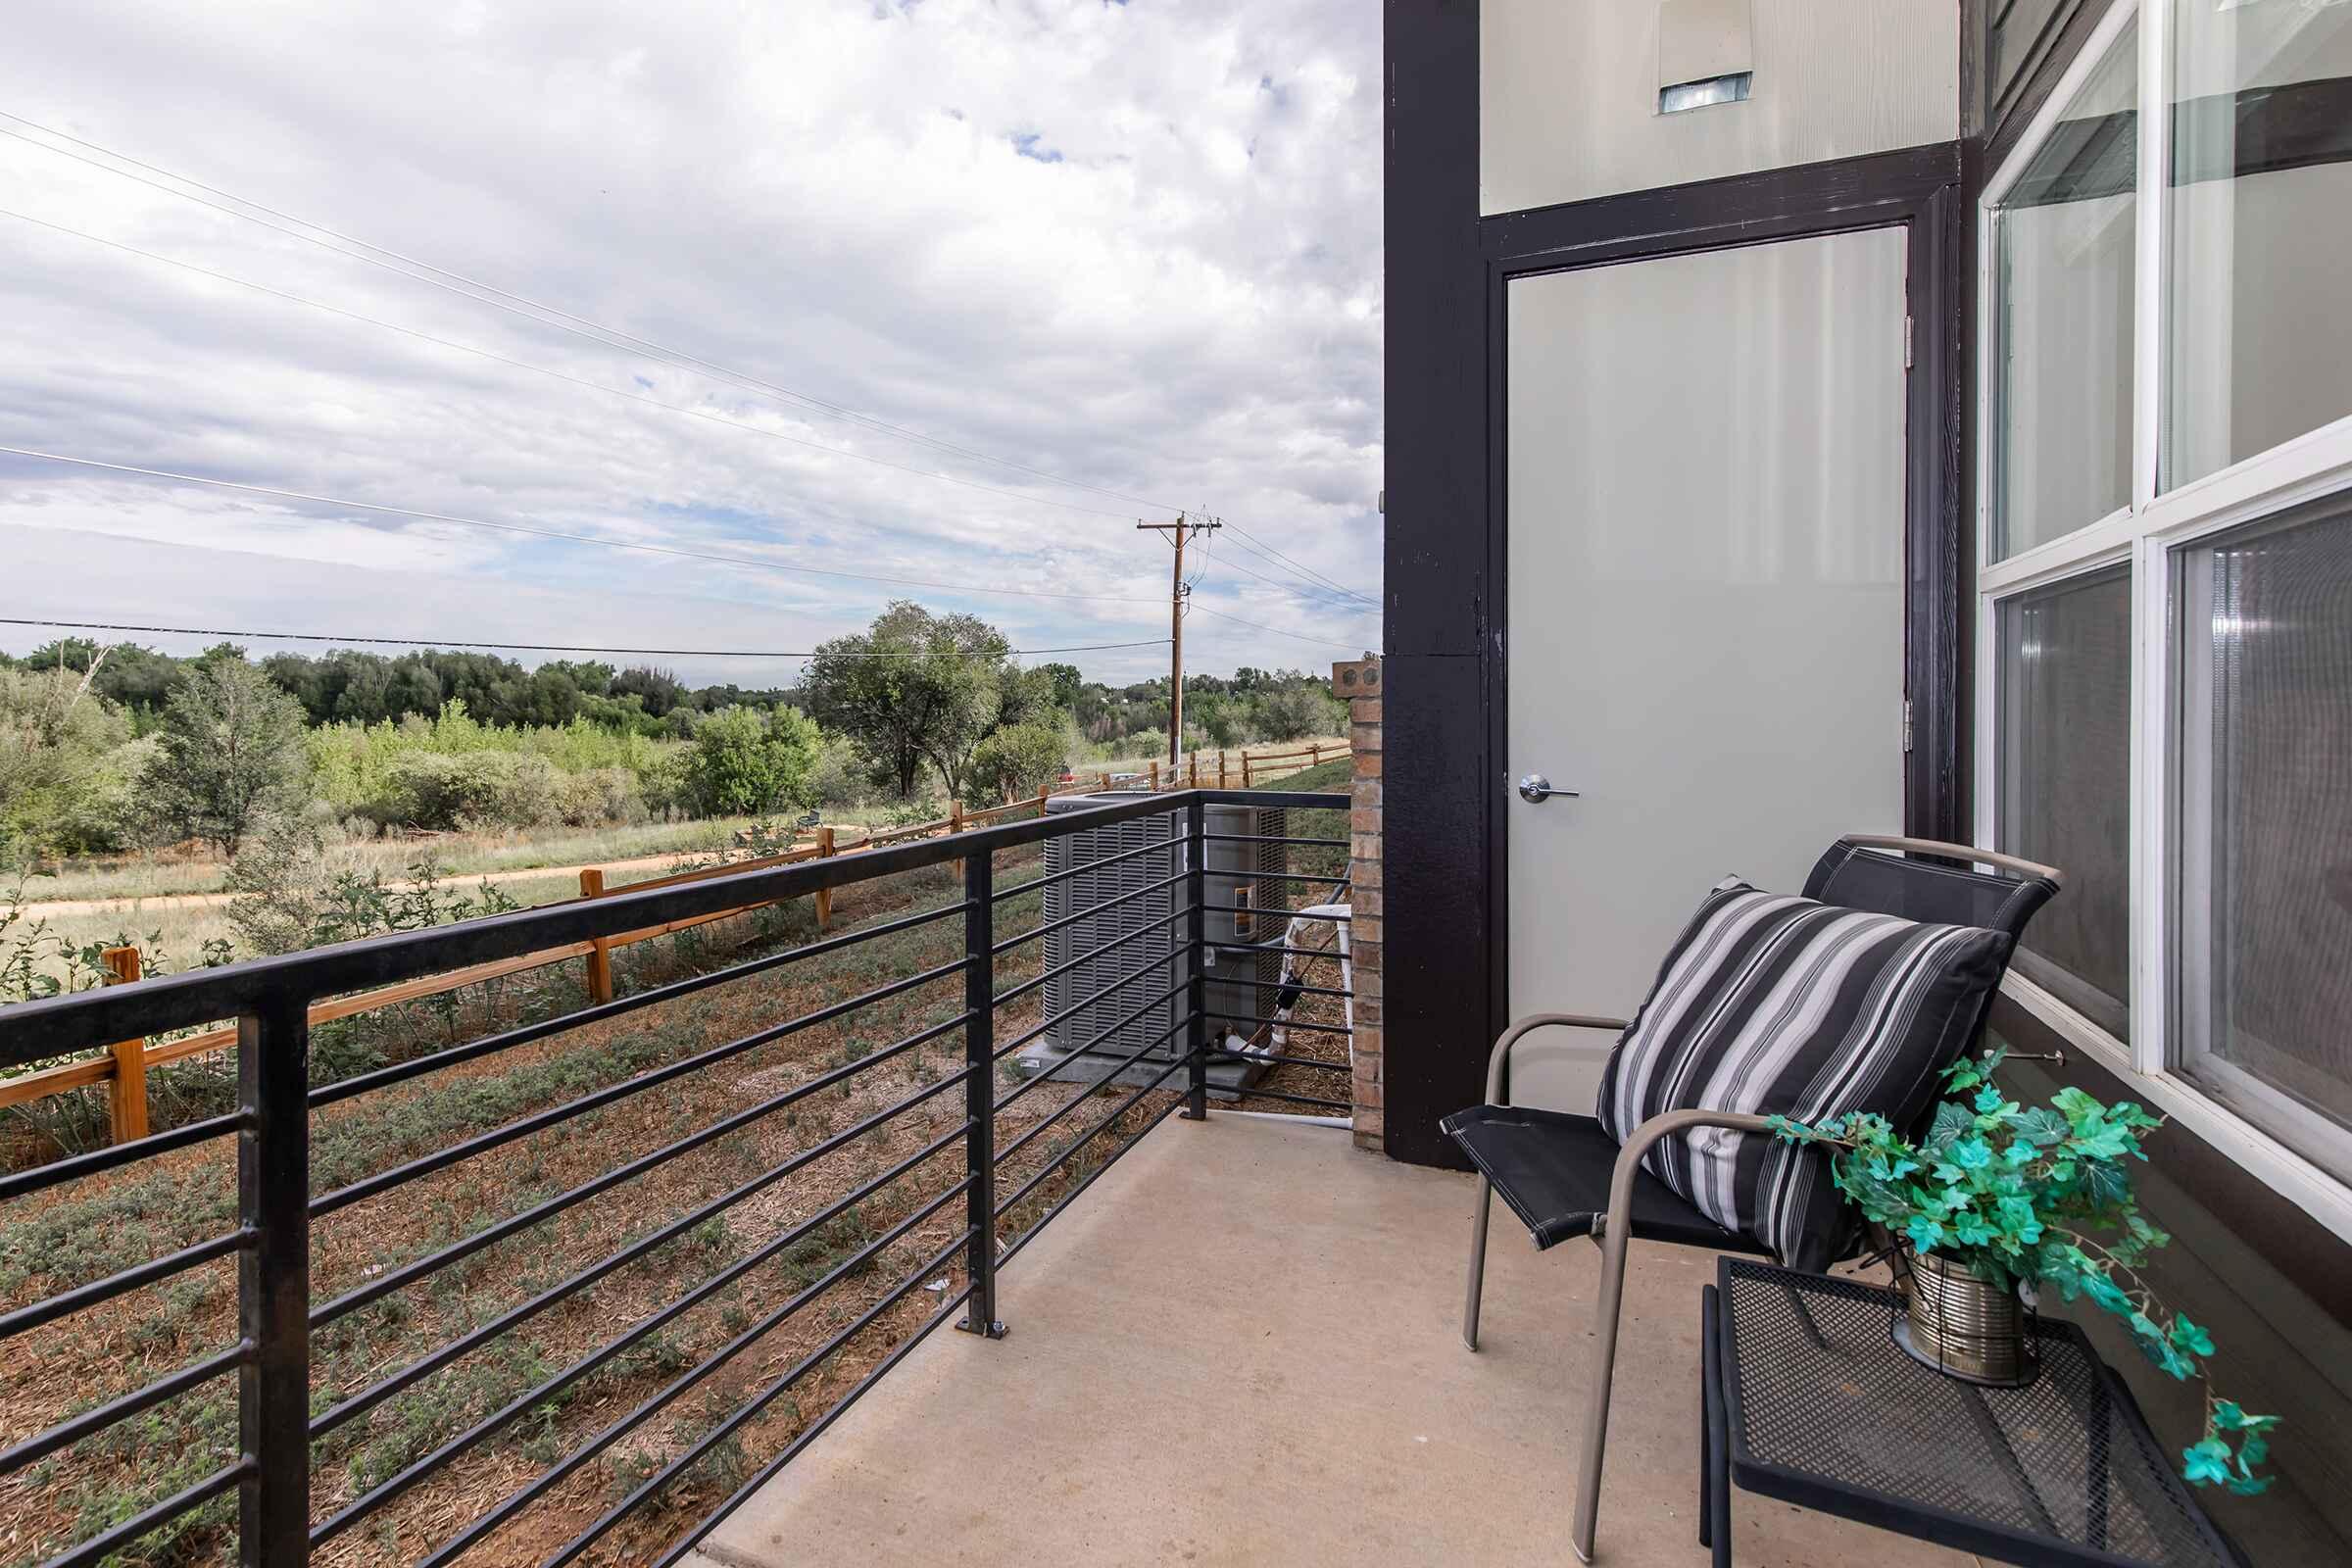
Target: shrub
<point>1015,762</point>
<point>599,795</point>
<point>480,789</point>
<point>745,762</point>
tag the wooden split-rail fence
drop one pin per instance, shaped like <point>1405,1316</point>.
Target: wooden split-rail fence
<point>123,1070</point>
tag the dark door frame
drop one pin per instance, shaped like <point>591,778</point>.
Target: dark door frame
<point>1917,189</point>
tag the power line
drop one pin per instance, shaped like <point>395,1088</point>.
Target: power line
<point>556,534</point>
<point>595,331</point>
<point>1278,631</point>
<point>585,328</point>
<point>1263,549</point>
<point>541,370</point>
<point>542,648</point>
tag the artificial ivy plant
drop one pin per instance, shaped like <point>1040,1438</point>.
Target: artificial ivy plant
<point>2035,1198</point>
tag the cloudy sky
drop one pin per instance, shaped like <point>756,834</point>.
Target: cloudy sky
<point>1131,250</point>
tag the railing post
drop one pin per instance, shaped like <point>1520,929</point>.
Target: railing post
<point>600,949</point>
<point>1155,775</point>
<point>1246,770</point>
<point>1220,767</point>
<point>1045,793</point>
<point>954,816</point>
<point>127,1096</point>
<point>824,896</point>
<point>980,1093</point>
<point>1195,884</point>
<point>273,1283</point>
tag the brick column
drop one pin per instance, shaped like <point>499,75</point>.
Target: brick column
<point>1357,684</point>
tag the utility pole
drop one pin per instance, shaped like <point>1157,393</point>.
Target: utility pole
<point>1178,531</point>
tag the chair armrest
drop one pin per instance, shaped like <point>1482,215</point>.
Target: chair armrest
<point>1958,851</point>
<point>1498,1060</point>
<point>1665,1124</point>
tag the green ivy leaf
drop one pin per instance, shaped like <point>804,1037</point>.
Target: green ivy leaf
<point>2206,1462</point>
<point>2041,1127</point>
<point>2187,1335</point>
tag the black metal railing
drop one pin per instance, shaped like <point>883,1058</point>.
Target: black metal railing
<point>278,1106</point>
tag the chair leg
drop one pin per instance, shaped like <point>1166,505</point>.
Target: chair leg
<point>1478,1262</point>
<point>1596,1413</point>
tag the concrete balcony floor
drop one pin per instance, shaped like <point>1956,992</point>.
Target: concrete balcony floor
<point>1241,1347</point>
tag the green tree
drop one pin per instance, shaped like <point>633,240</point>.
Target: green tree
<point>60,746</point>
<point>230,750</point>
<point>745,762</point>
<point>916,688</point>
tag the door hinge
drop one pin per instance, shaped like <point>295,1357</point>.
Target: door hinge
<point>1906,724</point>
<point>1906,342</point>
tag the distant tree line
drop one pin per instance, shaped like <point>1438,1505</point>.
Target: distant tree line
<point>111,747</point>
<point>355,687</point>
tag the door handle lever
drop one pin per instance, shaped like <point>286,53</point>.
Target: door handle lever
<point>1535,789</point>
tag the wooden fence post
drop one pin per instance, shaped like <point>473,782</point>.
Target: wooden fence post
<point>1193,760</point>
<point>1314,754</point>
<point>1155,775</point>
<point>600,949</point>
<point>1106,781</point>
<point>127,1094</point>
<point>1045,792</point>
<point>1245,784</point>
<point>824,896</point>
<point>954,816</point>
<point>1220,767</point>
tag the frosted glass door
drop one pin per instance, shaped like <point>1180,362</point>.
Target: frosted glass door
<point>1705,632</point>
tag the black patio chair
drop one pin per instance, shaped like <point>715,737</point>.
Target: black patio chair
<point>1566,1176</point>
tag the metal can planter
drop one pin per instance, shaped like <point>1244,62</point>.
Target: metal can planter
<point>1964,1326</point>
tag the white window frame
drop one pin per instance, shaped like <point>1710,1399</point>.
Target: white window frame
<point>2146,532</point>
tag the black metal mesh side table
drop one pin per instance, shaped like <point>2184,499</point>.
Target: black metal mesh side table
<point>1804,1397</point>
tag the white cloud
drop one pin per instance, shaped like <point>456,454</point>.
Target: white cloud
<point>850,199</point>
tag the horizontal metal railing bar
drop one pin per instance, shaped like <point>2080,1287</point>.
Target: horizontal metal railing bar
<point>1089,1136</point>
<point>393,1485</point>
<point>1076,1008</point>
<point>1084,1094</point>
<point>101,1546</point>
<point>1315,991</point>
<point>1340,1105</point>
<point>100,1417</point>
<point>408,1274</point>
<point>1265,913</point>
<point>1274,947</point>
<point>1301,799</point>
<point>1287,876</point>
<point>23,1183</point>
<point>508,1040</point>
<point>757,1402</point>
<point>1128,896</point>
<point>1273,838</point>
<point>539,1121</point>
<point>1067,1198</point>
<point>376,1392</point>
<point>522,1497</point>
<point>1160,847</point>
<point>1280,1024</point>
<point>810,1434</point>
<point>1273,1058</point>
<point>52,1026</point>
<point>1014,993</point>
<point>120,1283</point>
<point>1045,1073</point>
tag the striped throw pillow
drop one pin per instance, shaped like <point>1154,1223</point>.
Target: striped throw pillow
<point>1788,1006</point>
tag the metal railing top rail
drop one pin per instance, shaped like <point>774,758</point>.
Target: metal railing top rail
<point>53,1026</point>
